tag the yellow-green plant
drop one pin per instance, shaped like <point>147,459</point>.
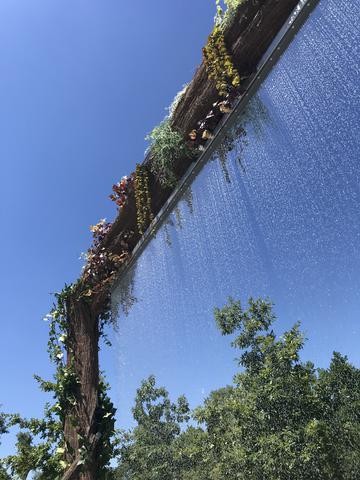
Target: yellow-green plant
<point>219,64</point>
<point>144,214</point>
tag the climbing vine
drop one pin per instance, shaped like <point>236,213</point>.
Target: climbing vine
<point>219,64</point>
<point>144,215</point>
<point>46,450</point>
<point>66,386</point>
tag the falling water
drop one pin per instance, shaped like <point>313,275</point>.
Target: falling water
<point>278,215</point>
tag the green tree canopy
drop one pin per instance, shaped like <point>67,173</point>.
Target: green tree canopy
<point>147,452</point>
<point>281,419</point>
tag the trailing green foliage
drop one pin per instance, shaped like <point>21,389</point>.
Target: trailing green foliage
<point>144,214</point>
<point>219,64</point>
<point>281,419</point>
<point>166,146</point>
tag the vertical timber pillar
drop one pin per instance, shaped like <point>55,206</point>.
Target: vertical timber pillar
<point>80,427</point>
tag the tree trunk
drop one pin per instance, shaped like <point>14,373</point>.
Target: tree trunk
<point>80,424</point>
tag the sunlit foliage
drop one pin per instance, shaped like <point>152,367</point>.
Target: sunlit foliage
<point>281,418</point>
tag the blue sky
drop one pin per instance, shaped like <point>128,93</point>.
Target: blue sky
<point>82,82</point>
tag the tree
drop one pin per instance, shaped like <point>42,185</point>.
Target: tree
<point>37,448</point>
<point>23,462</point>
<point>281,419</point>
<point>148,452</point>
<point>338,392</point>
<point>3,474</point>
<point>3,429</point>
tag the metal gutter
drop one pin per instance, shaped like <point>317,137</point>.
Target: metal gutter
<point>280,43</point>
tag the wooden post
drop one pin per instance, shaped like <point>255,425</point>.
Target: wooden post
<point>81,423</point>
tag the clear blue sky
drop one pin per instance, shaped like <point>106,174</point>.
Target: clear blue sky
<point>81,84</point>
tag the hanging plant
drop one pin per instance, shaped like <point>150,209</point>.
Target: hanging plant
<point>121,190</point>
<point>167,146</point>
<point>144,214</point>
<point>219,64</point>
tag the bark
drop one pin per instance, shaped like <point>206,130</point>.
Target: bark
<point>83,355</point>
